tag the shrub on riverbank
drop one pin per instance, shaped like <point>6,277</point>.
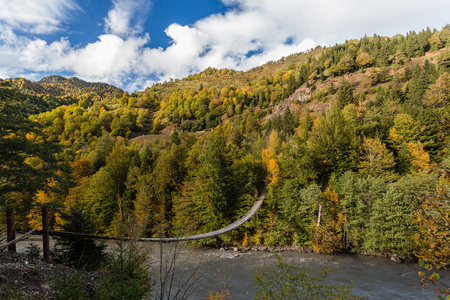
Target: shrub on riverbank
<point>286,281</point>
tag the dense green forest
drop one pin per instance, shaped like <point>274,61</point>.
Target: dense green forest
<point>351,142</point>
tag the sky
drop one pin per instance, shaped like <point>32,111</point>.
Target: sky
<point>135,43</point>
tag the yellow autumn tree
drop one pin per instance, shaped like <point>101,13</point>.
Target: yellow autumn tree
<point>274,142</point>
<point>418,157</point>
<point>328,231</point>
<point>377,159</point>
<point>364,59</point>
<point>432,239</point>
<point>41,199</point>
<point>405,130</point>
<point>271,166</point>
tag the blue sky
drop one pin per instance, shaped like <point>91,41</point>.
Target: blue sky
<point>156,16</point>
<point>134,43</point>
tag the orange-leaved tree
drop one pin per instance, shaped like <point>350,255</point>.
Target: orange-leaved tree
<point>432,240</point>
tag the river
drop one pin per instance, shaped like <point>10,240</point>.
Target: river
<point>376,277</point>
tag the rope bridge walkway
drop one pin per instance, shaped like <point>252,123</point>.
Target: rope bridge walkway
<point>217,232</point>
<point>12,241</point>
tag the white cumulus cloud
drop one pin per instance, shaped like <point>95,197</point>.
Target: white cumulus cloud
<point>111,58</point>
<point>248,34</point>
<point>126,17</point>
<point>41,17</point>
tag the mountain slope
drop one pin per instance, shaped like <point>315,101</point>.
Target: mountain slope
<point>53,91</point>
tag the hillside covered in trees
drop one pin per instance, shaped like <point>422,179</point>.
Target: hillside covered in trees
<point>351,140</point>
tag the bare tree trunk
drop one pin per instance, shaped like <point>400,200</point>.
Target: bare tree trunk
<point>320,215</point>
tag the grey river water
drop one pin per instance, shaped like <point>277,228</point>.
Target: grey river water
<point>378,278</point>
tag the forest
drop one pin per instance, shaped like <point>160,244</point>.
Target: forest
<point>351,142</point>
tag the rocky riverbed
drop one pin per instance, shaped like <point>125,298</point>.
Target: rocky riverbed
<point>25,277</point>
<point>21,277</point>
